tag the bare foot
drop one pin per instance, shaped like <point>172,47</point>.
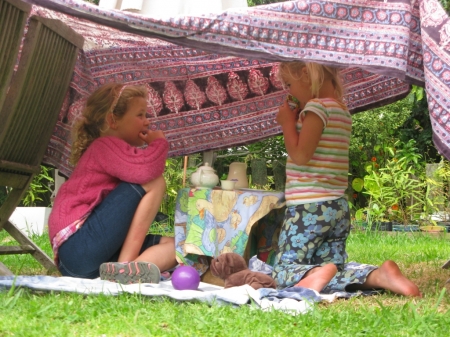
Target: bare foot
<point>317,278</point>
<point>389,277</point>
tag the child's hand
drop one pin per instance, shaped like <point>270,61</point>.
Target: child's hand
<point>286,114</point>
<point>150,136</point>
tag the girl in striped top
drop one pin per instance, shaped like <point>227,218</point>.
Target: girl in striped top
<point>311,248</point>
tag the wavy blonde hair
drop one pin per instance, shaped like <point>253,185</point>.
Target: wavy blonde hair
<point>317,73</point>
<point>110,98</point>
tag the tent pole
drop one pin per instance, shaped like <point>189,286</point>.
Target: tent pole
<point>184,170</point>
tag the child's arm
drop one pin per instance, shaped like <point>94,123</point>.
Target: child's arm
<point>300,146</point>
<point>131,164</point>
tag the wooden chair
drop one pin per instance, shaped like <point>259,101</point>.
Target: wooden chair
<point>13,16</point>
<point>30,107</point>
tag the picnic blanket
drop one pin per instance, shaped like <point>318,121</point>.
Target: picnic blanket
<point>293,301</point>
<point>211,77</point>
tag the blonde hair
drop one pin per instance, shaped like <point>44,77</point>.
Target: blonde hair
<point>110,98</point>
<point>317,73</point>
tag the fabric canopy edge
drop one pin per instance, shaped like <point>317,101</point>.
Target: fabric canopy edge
<point>438,107</point>
<point>128,22</point>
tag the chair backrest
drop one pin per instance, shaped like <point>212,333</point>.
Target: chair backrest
<point>13,16</point>
<point>30,102</point>
<point>36,93</point>
<point>33,102</point>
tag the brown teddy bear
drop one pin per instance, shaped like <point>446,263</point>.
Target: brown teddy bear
<point>232,268</point>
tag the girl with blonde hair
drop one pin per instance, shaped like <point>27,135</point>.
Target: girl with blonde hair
<point>102,213</point>
<point>311,248</point>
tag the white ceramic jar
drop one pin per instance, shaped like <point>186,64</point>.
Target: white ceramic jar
<point>238,173</point>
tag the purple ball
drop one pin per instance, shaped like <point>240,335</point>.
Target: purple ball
<point>185,278</point>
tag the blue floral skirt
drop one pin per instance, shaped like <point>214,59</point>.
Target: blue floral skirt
<point>312,235</point>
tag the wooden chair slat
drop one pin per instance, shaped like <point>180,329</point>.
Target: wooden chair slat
<point>13,16</point>
<point>31,105</point>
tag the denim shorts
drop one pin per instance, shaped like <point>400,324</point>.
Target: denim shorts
<point>102,235</point>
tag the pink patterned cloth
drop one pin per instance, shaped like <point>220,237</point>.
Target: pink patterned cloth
<point>382,46</point>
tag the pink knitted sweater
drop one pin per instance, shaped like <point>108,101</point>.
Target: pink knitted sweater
<point>105,163</point>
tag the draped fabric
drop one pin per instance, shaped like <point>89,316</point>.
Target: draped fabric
<point>211,77</point>
<point>168,8</point>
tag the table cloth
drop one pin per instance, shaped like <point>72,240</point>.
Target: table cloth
<point>210,222</point>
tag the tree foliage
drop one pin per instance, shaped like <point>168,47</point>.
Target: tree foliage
<point>446,5</point>
<point>262,2</point>
<point>418,126</point>
<point>373,132</point>
<point>270,149</point>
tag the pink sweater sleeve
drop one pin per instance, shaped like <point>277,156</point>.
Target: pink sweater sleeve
<point>128,163</point>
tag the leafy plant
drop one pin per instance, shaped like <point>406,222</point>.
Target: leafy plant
<point>173,175</point>
<point>437,194</point>
<point>418,126</point>
<point>396,190</point>
<point>394,193</point>
<point>41,184</point>
<point>374,133</point>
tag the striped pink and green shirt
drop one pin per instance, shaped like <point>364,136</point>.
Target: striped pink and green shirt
<point>325,176</point>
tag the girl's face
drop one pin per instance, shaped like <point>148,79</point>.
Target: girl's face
<point>300,88</point>
<point>133,122</point>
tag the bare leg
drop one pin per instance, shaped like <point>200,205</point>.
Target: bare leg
<point>162,254</point>
<point>143,217</point>
<point>317,278</point>
<point>389,277</point>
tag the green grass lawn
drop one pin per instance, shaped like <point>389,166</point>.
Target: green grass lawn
<point>26,313</point>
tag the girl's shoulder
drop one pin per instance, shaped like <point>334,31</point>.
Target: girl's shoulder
<point>105,144</point>
<point>327,102</point>
<point>331,105</point>
<point>108,140</point>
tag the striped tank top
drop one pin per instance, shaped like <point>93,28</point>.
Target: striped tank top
<point>325,176</point>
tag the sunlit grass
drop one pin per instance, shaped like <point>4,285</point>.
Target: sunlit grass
<point>27,313</point>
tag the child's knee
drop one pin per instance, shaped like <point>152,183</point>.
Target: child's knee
<point>161,182</point>
<point>167,240</point>
<point>155,184</point>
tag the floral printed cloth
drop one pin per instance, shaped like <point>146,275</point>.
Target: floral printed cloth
<point>210,222</point>
<point>315,234</point>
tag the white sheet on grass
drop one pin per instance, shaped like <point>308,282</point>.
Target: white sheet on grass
<point>264,298</point>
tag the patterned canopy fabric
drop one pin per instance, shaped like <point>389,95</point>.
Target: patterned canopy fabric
<point>211,78</point>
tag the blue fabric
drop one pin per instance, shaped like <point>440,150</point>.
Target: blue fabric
<point>296,293</point>
<point>102,235</point>
<point>300,293</point>
<point>312,234</point>
<point>315,234</point>
<point>351,272</point>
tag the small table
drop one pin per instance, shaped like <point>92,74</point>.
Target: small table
<point>210,222</point>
